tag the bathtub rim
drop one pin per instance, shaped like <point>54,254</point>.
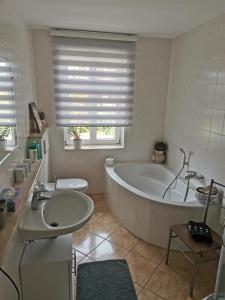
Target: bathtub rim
<point>115,177</point>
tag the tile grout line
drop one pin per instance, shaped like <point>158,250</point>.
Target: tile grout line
<point>152,276</point>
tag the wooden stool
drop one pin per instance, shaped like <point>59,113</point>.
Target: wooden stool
<point>197,249</point>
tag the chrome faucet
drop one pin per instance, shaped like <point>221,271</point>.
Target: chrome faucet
<point>194,175</point>
<point>37,198</point>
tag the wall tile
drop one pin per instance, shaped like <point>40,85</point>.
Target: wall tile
<point>198,61</point>
<point>217,121</point>
<point>220,97</point>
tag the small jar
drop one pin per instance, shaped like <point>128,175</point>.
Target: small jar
<point>33,154</point>
<point>29,163</point>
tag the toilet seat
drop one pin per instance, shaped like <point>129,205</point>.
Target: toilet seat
<point>75,184</point>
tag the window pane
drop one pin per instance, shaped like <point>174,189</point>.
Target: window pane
<point>106,133</point>
<point>81,132</point>
<point>8,134</point>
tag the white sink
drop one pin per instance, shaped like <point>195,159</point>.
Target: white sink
<point>65,212</point>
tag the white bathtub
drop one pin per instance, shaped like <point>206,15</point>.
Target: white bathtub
<point>135,196</point>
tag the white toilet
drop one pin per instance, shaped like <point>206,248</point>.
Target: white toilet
<point>72,184</point>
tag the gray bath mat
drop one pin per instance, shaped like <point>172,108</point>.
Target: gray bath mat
<point>105,280</point>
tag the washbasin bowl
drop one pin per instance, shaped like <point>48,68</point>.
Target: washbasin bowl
<point>64,213</point>
<point>67,209</point>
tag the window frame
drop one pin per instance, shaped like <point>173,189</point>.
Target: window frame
<point>94,142</point>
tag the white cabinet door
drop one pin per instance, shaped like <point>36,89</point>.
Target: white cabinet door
<point>46,269</point>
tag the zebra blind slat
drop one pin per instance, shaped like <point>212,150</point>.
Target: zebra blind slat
<point>93,81</point>
<point>7,103</point>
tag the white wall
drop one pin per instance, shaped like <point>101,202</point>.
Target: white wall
<point>152,70</point>
<point>195,117</point>
<point>15,45</point>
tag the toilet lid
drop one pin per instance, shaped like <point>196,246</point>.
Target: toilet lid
<point>71,184</point>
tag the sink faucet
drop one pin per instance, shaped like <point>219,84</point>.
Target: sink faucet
<point>194,175</point>
<point>37,197</point>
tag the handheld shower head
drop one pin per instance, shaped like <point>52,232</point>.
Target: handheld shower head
<point>184,153</point>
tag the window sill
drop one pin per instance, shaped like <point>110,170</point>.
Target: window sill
<point>94,147</point>
<point>10,148</point>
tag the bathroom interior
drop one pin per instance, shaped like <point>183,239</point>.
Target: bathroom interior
<point>112,150</point>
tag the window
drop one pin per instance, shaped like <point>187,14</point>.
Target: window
<point>94,85</point>
<point>7,104</point>
<point>96,136</point>
<point>10,136</point>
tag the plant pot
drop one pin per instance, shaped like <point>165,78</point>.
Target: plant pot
<point>159,157</point>
<point>77,144</point>
<point>3,144</point>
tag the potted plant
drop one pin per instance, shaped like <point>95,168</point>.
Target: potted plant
<point>159,153</point>
<point>75,134</point>
<point>4,132</point>
<point>160,146</point>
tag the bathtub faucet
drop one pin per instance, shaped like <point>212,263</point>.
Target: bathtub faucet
<point>194,175</point>
<point>191,175</point>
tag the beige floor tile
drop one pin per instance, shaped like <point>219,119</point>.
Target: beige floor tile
<point>86,259</point>
<point>147,295</point>
<point>79,256</point>
<point>86,241</point>
<point>149,251</point>
<point>93,218</point>
<point>109,216</point>
<point>123,237</point>
<point>108,250</point>
<point>169,284</point>
<point>205,280</point>
<point>138,288</point>
<point>98,197</point>
<point>100,206</point>
<point>78,234</point>
<point>201,290</point>
<point>208,271</point>
<point>101,226</point>
<point>141,268</point>
<point>179,264</point>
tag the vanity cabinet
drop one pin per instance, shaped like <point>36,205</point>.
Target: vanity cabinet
<point>46,269</point>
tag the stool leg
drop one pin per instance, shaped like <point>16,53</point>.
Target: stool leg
<point>168,247</point>
<point>194,268</point>
<point>75,262</point>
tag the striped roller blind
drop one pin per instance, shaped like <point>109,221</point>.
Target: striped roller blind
<point>7,103</point>
<point>94,81</point>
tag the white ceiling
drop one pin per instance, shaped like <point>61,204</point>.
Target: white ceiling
<point>161,18</point>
